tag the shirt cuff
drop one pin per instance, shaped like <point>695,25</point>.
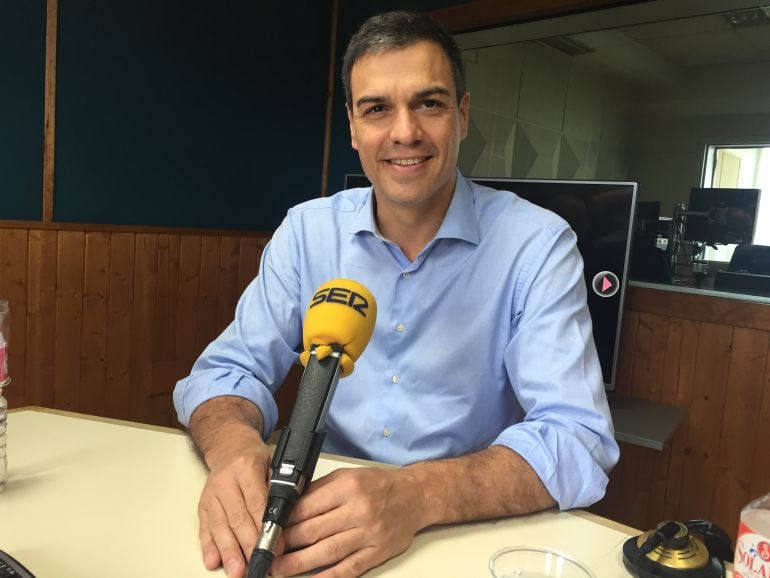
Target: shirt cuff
<point>569,471</point>
<point>202,386</point>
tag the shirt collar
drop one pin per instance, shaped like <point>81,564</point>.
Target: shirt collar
<point>459,223</point>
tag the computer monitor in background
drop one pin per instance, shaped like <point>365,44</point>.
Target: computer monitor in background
<point>721,216</point>
<point>647,216</point>
<point>602,214</point>
<point>650,258</point>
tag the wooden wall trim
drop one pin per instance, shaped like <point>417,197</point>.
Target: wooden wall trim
<point>721,310</point>
<point>488,13</point>
<point>49,130</point>
<point>103,228</point>
<point>332,81</point>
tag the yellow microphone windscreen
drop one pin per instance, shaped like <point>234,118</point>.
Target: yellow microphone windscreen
<point>341,312</point>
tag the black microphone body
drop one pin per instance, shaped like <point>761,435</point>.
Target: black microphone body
<point>296,454</point>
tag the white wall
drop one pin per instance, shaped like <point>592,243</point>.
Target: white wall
<point>537,112</point>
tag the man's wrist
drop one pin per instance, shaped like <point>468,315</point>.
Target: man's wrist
<point>428,506</point>
<point>215,425</point>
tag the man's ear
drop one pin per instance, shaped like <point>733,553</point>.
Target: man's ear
<point>465,106</point>
<point>353,141</point>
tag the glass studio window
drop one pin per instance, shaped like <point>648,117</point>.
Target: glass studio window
<point>740,167</point>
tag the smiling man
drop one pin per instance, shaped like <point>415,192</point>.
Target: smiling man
<point>481,377</point>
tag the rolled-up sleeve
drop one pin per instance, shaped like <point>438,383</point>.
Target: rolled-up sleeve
<point>251,358</point>
<point>567,435</point>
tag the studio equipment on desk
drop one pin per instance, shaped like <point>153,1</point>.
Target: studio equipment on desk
<point>693,549</point>
<point>338,325</point>
<point>10,567</point>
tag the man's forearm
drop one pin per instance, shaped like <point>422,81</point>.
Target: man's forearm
<point>492,483</point>
<point>220,418</point>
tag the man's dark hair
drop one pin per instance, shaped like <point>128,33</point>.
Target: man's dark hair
<point>400,29</point>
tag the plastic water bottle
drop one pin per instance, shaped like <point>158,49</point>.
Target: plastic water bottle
<point>3,456</point>
<point>4,380</point>
<point>752,549</point>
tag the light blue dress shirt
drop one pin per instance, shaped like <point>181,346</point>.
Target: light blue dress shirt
<point>485,338</point>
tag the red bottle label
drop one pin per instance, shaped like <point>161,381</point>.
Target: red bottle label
<point>752,554</point>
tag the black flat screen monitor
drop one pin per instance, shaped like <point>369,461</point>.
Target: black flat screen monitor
<point>602,214</point>
<point>647,216</point>
<point>721,216</point>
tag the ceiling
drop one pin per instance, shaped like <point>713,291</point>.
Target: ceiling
<point>653,42</point>
<point>698,41</point>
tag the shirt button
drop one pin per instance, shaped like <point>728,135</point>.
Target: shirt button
<point>396,379</point>
<point>405,274</point>
<point>400,328</point>
<point>386,432</point>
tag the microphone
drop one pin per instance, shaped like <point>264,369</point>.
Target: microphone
<point>338,325</point>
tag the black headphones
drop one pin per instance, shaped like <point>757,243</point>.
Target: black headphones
<point>672,551</point>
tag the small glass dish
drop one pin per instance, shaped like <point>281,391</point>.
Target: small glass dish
<point>533,562</point>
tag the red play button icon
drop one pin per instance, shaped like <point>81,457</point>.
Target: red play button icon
<point>606,284</point>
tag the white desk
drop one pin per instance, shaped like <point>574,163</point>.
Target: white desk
<point>88,497</point>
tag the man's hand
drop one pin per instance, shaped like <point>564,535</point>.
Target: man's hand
<point>355,519</point>
<point>351,520</point>
<point>233,500</point>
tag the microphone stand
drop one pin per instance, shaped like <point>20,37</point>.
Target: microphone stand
<point>296,454</point>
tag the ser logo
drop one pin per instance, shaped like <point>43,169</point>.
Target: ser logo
<point>343,296</point>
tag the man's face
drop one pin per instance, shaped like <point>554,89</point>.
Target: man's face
<point>406,125</point>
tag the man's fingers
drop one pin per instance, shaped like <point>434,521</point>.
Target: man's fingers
<point>352,566</point>
<point>217,530</point>
<point>211,559</point>
<point>323,553</point>
<point>253,493</point>
<point>313,530</point>
<point>321,497</point>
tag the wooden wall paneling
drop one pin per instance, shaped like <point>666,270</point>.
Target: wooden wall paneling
<point>725,311</point>
<point>745,382</point>
<point>685,354</point>
<point>669,379</point>
<point>162,347</point>
<point>676,389</point>
<point>69,319</point>
<point>119,345</point>
<point>187,312</point>
<point>640,504</point>
<point>661,461</point>
<point>704,420</point>
<point>208,292</point>
<point>228,282</point>
<point>622,484</point>
<point>93,349</point>
<point>650,352</point>
<point>41,317</point>
<point>13,281</point>
<point>623,377</point>
<point>160,411</point>
<point>49,129</point>
<point>248,261</point>
<point>760,468</point>
<point>174,252</point>
<point>143,317</point>
<point>675,483</point>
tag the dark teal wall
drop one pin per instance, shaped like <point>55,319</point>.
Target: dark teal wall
<point>22,96</point>
<point>189,113</point>
<point>176,112</point>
